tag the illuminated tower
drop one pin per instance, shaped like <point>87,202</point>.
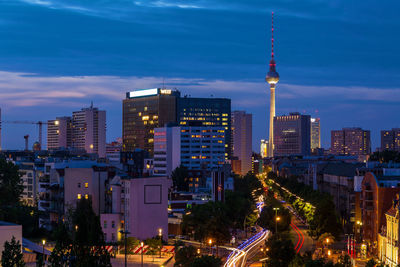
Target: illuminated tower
<point>272,78</point>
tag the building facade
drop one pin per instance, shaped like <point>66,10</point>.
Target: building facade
<point>144,110</point>
<point>85,130</point>
<point>350,141</point>
<point>89,130</point>
<point>390,139</point>
<point>377,194</point>
<point>242,139</point>
<point>389,246</point>
<point>292,135</point>
<point>214,112</point>
<point>200,149</point>
<point>59,133</point>
<point>315,133</point>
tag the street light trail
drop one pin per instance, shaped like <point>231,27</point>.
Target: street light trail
<point>239,255</point>
<point>298,237</point>
<point>302,237</point>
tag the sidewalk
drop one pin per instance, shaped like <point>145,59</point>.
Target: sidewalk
<point>135,260</point>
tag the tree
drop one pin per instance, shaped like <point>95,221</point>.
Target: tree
<point>12,255</point>
<point>154,245</point>
<point>371,263</point>
<point>281,251</point>
<point>10,184</point>
<point>86,246</point>
<point>180,178</point>
<point>88,242</point>
<point>208,220</point>
<point>267,217</point>
<point>185,256</point>
<point>61,255</point>
<point>205,260</point>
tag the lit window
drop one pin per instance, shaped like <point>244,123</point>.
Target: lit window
<point>86,196</point>
<point>86,185</point>
<point>79,196</point>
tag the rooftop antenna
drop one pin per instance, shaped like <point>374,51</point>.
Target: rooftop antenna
<point>272,35</point>
<point>91,104</point>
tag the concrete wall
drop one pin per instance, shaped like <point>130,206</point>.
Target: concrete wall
<point>148,207</point>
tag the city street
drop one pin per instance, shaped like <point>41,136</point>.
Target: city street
<point>247,249</point>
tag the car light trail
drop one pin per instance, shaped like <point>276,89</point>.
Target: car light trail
<point>238,257</point>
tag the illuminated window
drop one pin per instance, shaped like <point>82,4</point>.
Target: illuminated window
<point>145,108</point>
<point>86,185</point>
<point>145,118</point>
<point>86,196</point>
<point>79,196</point>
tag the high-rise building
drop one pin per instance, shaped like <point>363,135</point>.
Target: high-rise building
<point>167,150</point>
<point>85,130</point>
<point>350,141</point>
<point>292,134</point>
<point>89,130</point>
<point>272,79</point>
<point>144,110</point>
<point>390,139</point>
<point>59,133</point>
<point>242,139</point>
<point>315,133</point>
<point>207,112</point>
<point>264,148</point>
<point>198,148</point>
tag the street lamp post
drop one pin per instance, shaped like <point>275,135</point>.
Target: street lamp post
<point>126,245</point>
<point>276,219</point>
<point>43,243</point>
<point>160,235</point>
<point>142,245</point>
<point>210,242</point>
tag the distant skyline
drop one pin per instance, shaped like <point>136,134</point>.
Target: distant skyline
<point>338,60</point>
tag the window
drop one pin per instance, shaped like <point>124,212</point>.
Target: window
<point>79,196</point>
<point>86,196</point>
<point>105,237</point>
<point>112,237</point>
<point>105,225</point>
<point>112,224</point>
<point>86,185</point>
<point>79,185</point>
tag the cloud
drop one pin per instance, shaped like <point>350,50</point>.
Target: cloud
<point>27,89</point>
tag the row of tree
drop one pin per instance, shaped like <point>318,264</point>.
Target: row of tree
<point>315,207</point>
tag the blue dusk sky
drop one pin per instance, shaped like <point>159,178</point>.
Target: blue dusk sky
<point>338,60</point>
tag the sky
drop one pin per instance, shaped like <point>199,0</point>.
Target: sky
<point>338,60</point>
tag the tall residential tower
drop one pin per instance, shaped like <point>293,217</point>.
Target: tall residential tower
<point>272,78</point>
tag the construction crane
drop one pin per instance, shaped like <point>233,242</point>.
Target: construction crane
<point>39,123</point>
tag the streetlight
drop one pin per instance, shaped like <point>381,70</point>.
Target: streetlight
<point>142,244</point>
<point>277,219</point>
<point>126,245</point>
<point>160,235</point>
<point>210,242</point>
<point>44,243</point>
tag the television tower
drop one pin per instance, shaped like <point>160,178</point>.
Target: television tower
<point>272,78</point>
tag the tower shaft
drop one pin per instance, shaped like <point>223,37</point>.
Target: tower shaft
<point>271,122</point>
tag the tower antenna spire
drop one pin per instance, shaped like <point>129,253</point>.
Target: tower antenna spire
<point>272,35</point>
